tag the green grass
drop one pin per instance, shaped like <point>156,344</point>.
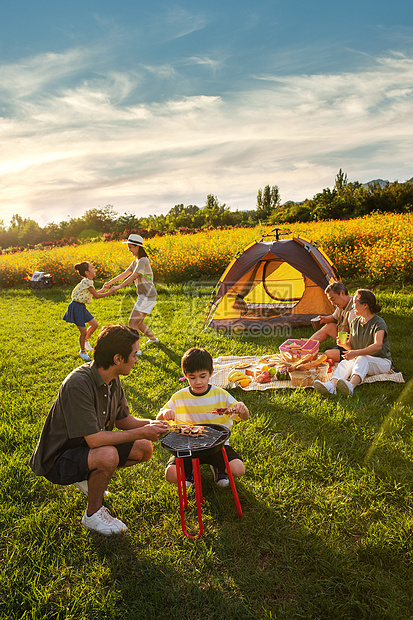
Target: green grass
<point>327,497</point>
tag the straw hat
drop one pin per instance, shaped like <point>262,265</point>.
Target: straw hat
<point>134,240</point>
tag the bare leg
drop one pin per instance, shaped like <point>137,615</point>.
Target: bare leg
<point>136,322</point>
<point>333,354</point>
<point>93,327</point>
<point>355,380</point>
<point>82,338</point>
<point>237,468</point>
<point>170,474</point>
<point>102,463</point>
<point>327,330</point>
<point>141,451</point>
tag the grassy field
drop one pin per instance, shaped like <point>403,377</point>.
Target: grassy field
<point>327,497</point>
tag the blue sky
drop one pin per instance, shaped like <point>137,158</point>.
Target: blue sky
<point>144,105</point>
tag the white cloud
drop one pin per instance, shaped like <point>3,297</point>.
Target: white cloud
<point>30,76</point>
<point>92,144</point>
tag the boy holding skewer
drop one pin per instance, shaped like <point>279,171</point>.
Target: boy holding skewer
<point>196,405</point>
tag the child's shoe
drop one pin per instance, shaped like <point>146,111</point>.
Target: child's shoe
<point>84,356</point>
<point>156,341</point>
<point>88,347</point>
<point>324,388</point>
<point>344,387</point>
<point>189,481</point>
<point>221,479</point>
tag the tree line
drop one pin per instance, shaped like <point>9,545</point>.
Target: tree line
<point>348,200</point>
<point>345,201</point>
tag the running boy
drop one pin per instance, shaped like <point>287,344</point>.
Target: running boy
<point>194,405</point>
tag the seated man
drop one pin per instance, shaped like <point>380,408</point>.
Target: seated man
<point>77,443</point>
<point>339,321</point>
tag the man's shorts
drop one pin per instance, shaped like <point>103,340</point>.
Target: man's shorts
<point>216,460</point>
<point>72,465</point>
<point>341,350</point>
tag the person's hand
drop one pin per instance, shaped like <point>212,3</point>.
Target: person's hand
<point>350,355</point>
<point>155,429</point>
<point>106,286</point>
<point>242,410</point>
<point>322,319</point>
<point>169,415</point>
<point>115,289</point>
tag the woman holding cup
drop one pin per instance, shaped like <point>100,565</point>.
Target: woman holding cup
<point>367,348</point>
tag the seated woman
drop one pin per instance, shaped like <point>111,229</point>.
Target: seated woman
<point>367,348</point>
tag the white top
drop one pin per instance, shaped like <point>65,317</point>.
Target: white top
<point>144,282</point>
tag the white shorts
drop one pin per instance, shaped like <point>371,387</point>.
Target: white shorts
<point>144,305</point>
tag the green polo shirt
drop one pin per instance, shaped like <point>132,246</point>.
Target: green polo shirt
<point>362,335</point>
<point>80,409</point>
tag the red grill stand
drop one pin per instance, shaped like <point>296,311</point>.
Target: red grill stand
<point>183,502</point>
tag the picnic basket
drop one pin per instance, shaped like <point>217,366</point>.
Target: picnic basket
<point>306,377</point>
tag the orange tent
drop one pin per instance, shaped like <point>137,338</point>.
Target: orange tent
<point>271,283</point>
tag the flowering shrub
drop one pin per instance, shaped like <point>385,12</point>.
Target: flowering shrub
<point>375,248</point>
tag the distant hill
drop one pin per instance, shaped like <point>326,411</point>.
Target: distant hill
<point>379,182</point>
<point>382,183</point>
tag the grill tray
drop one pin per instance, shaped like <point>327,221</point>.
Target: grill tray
<point>186,446</point>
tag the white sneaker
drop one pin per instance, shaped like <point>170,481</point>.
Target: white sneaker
<point>324,388</point>
<point>103,522</point>
<point>139,353</point>
<point>84,356</point>
<point>88,347</point>
<point>153,341</point>
<point>221,480</point>
<point>83,486</point>
<point>344,387</point>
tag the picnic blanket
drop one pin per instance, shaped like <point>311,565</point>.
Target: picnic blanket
<point>224,364</point>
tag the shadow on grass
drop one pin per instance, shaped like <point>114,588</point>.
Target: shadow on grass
<point>261,565</point>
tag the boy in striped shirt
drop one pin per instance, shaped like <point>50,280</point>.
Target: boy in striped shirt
<point>194,405</point>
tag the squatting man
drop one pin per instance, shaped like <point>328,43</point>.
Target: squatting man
<point>77,444</point>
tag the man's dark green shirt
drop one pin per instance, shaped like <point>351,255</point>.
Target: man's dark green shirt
<point>84,406</point>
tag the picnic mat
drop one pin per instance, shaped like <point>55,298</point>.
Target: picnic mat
<point>224,364</point>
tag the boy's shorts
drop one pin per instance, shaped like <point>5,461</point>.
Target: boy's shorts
<point>216,460</point>
<point>72,465</point>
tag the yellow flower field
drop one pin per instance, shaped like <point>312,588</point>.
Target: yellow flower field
<point>376,248</point>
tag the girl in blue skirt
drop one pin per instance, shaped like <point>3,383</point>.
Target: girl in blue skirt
<point>77,312</point>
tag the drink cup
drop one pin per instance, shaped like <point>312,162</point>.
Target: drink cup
<point>342,337</point>
<point>315,323</point>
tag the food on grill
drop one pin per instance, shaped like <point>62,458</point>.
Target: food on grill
<point>224,411</point>
<point>189,429</point>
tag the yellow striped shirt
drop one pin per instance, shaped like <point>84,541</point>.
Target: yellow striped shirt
<point>191,408</point>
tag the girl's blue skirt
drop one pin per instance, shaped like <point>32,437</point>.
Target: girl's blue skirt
<point>78,314</point>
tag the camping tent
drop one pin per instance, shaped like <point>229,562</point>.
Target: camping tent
<point>271,283</point>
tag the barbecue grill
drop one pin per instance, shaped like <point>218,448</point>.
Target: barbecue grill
<point>185,446</point>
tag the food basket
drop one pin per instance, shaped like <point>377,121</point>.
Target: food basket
<point>306,378</point>
<point>299,348</point>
